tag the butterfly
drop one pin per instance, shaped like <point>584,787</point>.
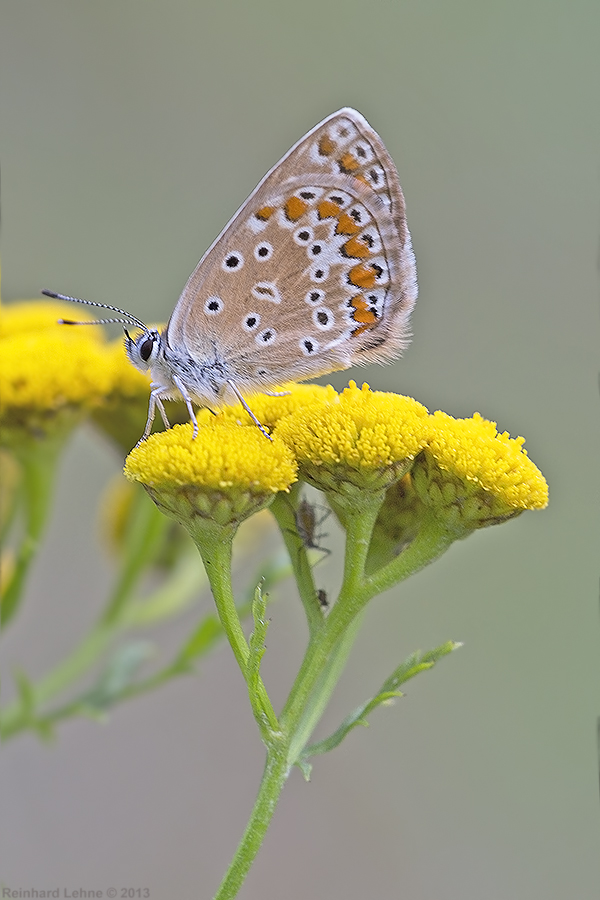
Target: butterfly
<point>314,273</point>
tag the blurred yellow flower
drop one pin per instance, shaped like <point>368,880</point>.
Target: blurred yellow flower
<point>50,375</point>
<point>37,315</point>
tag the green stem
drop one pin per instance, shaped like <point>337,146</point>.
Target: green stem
<point>305,706</point>
<point>284,508</point>
<point>215,545</point>
<point>356,591</point>
<point>146,528</point>
<point>351,600</point>
<point>273,780</point>
<point>432,540</point>
<point>39,462</point>
<point>173,595</point>
<point>324,688</point>
<point>11,493</point>
<point>324,661</point>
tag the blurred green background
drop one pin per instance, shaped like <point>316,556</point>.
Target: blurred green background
<point>131,131</point>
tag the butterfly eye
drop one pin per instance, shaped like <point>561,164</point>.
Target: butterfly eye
<point>146,348</point>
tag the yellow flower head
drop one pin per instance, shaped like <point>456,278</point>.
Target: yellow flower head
<point>269,409</point>
<point>473,476</point>
<point>367,439</point>
<point>225,474</point>
<point>50,375</point>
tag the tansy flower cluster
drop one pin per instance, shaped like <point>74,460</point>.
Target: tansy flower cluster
<point>349,445</point>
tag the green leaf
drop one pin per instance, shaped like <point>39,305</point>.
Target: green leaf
<point>26,693</point>
<point>118,675</point>
<point>305,767</point>
<point>256,644</point>
<point>417,662</point>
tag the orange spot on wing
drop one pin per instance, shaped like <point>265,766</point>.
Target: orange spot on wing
<point>327,209</point>
<point>294,208</point>
<point>360,330</point>
<point>348,163</point>
<point>326,146</point>
<point>363,179</point>
<point>356,248</point>
<point>362,276</point>
<point>265,213</point>
<point>365,316</point>
<point>359,302</point>
<point>346,225</point>
<point>362,312</point>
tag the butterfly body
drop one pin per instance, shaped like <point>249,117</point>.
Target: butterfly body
<point>314,273</point>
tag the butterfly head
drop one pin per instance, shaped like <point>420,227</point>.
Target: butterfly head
<point>144,349</point>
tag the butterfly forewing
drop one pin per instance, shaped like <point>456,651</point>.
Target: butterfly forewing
<point>314,273</point>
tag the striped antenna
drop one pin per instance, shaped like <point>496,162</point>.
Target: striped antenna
<point>129,320</point>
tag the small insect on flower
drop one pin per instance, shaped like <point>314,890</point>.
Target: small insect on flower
<point>309,518</point>
<point>322,598</point>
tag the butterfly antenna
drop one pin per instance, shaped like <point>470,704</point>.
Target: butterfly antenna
<point>129,320</point>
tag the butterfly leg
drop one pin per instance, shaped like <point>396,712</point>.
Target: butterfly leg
<point>163,415</point>
<point>155,401</point>
<point>188,402</point>
<point>248,410</point>
<point>150,419</point>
